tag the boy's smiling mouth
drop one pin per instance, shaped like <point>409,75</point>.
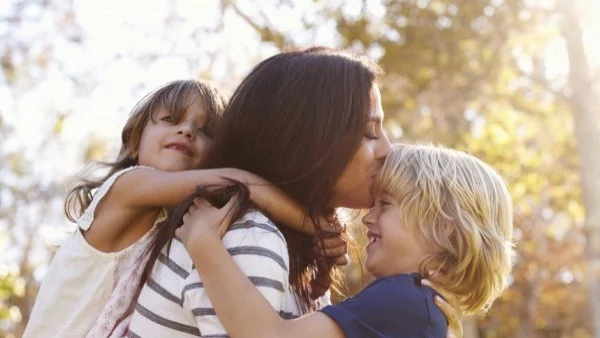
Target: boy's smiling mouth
<point>373,237</point>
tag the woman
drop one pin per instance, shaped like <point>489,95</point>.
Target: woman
<point>310,122</point>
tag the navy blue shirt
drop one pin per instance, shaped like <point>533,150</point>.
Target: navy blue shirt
<point>395,306</point>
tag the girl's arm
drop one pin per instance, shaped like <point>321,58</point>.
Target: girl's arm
<point>134,200</point>
<point>146,188</point>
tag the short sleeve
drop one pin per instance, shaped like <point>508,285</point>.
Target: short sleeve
<point>389,308</point>
<point>85,221</point>
<point>258,247</point>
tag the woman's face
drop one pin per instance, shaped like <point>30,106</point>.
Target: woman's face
<point>354,187</point>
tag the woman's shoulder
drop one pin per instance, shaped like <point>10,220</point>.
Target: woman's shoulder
<point>255,235</point>
<point>254,216</point>
<point>254,222</point>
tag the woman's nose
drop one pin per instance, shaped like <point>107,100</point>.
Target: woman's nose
<point>384,147</point>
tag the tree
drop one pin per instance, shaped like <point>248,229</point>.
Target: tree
<point>472,75</point>
<point>585,106</point>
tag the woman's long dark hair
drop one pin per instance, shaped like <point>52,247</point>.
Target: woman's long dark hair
<point>297,120</point>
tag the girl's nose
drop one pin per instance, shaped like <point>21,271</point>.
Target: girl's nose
<point>186,130</point>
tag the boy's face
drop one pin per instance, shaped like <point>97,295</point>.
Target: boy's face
<point>171,145</point>
<point>394,247</point>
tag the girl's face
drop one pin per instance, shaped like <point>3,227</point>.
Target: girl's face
<point>394,247</point>
<point>171,145</point>
<point>354,187</point>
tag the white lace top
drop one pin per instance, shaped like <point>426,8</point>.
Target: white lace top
<point>85,291</point>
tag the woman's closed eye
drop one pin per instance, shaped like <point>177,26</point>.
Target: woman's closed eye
<point>371,132</point>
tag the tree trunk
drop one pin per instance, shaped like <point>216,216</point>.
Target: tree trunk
<point>585,108</point>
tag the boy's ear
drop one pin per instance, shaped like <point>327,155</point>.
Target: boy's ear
<point>448,229</point>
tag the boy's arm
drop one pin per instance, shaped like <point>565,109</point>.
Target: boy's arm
<point>229,289</point>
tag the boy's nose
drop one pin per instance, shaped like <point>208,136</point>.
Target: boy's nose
<point>368,219</point>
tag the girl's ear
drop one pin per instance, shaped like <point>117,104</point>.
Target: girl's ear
<point>133,154</point>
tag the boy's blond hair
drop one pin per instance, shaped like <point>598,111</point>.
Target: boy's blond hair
<point>460,206</point>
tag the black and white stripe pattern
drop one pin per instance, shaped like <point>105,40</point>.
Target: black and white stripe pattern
<point>174,303</point>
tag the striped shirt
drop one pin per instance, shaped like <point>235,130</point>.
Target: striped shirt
<point>173,302</point>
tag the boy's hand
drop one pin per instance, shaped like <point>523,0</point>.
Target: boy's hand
<point>203,221</point>
<point>450,307</point>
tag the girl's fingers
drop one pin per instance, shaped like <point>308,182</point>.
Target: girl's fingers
<point>333,252</point>
<point>321,282</point>
<point>341,260</point>
<point>332,242</point>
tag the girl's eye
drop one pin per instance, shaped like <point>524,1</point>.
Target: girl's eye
<point>167,118</point>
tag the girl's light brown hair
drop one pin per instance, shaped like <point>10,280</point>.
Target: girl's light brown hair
<point>176,97</point>
<point>460,207</point>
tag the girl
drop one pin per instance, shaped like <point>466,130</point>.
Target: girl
<point>436,210</point>
<point>93,278</point>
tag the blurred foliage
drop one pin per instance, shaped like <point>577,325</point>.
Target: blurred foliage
<point>472,75</point>
<point>468,74</point>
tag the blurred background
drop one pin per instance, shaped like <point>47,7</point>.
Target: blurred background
<point>515,82</point>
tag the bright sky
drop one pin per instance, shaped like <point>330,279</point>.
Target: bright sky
<point>99,80</point>
<point>126,50</point>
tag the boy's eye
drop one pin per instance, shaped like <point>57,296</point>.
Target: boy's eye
<point>384,202</point>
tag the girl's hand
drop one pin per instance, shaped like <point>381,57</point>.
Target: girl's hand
<point>334,249</point>
<point>331,240</point>
<point>205,222</point>
<point>450,307</point>
<point>330,249</point>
